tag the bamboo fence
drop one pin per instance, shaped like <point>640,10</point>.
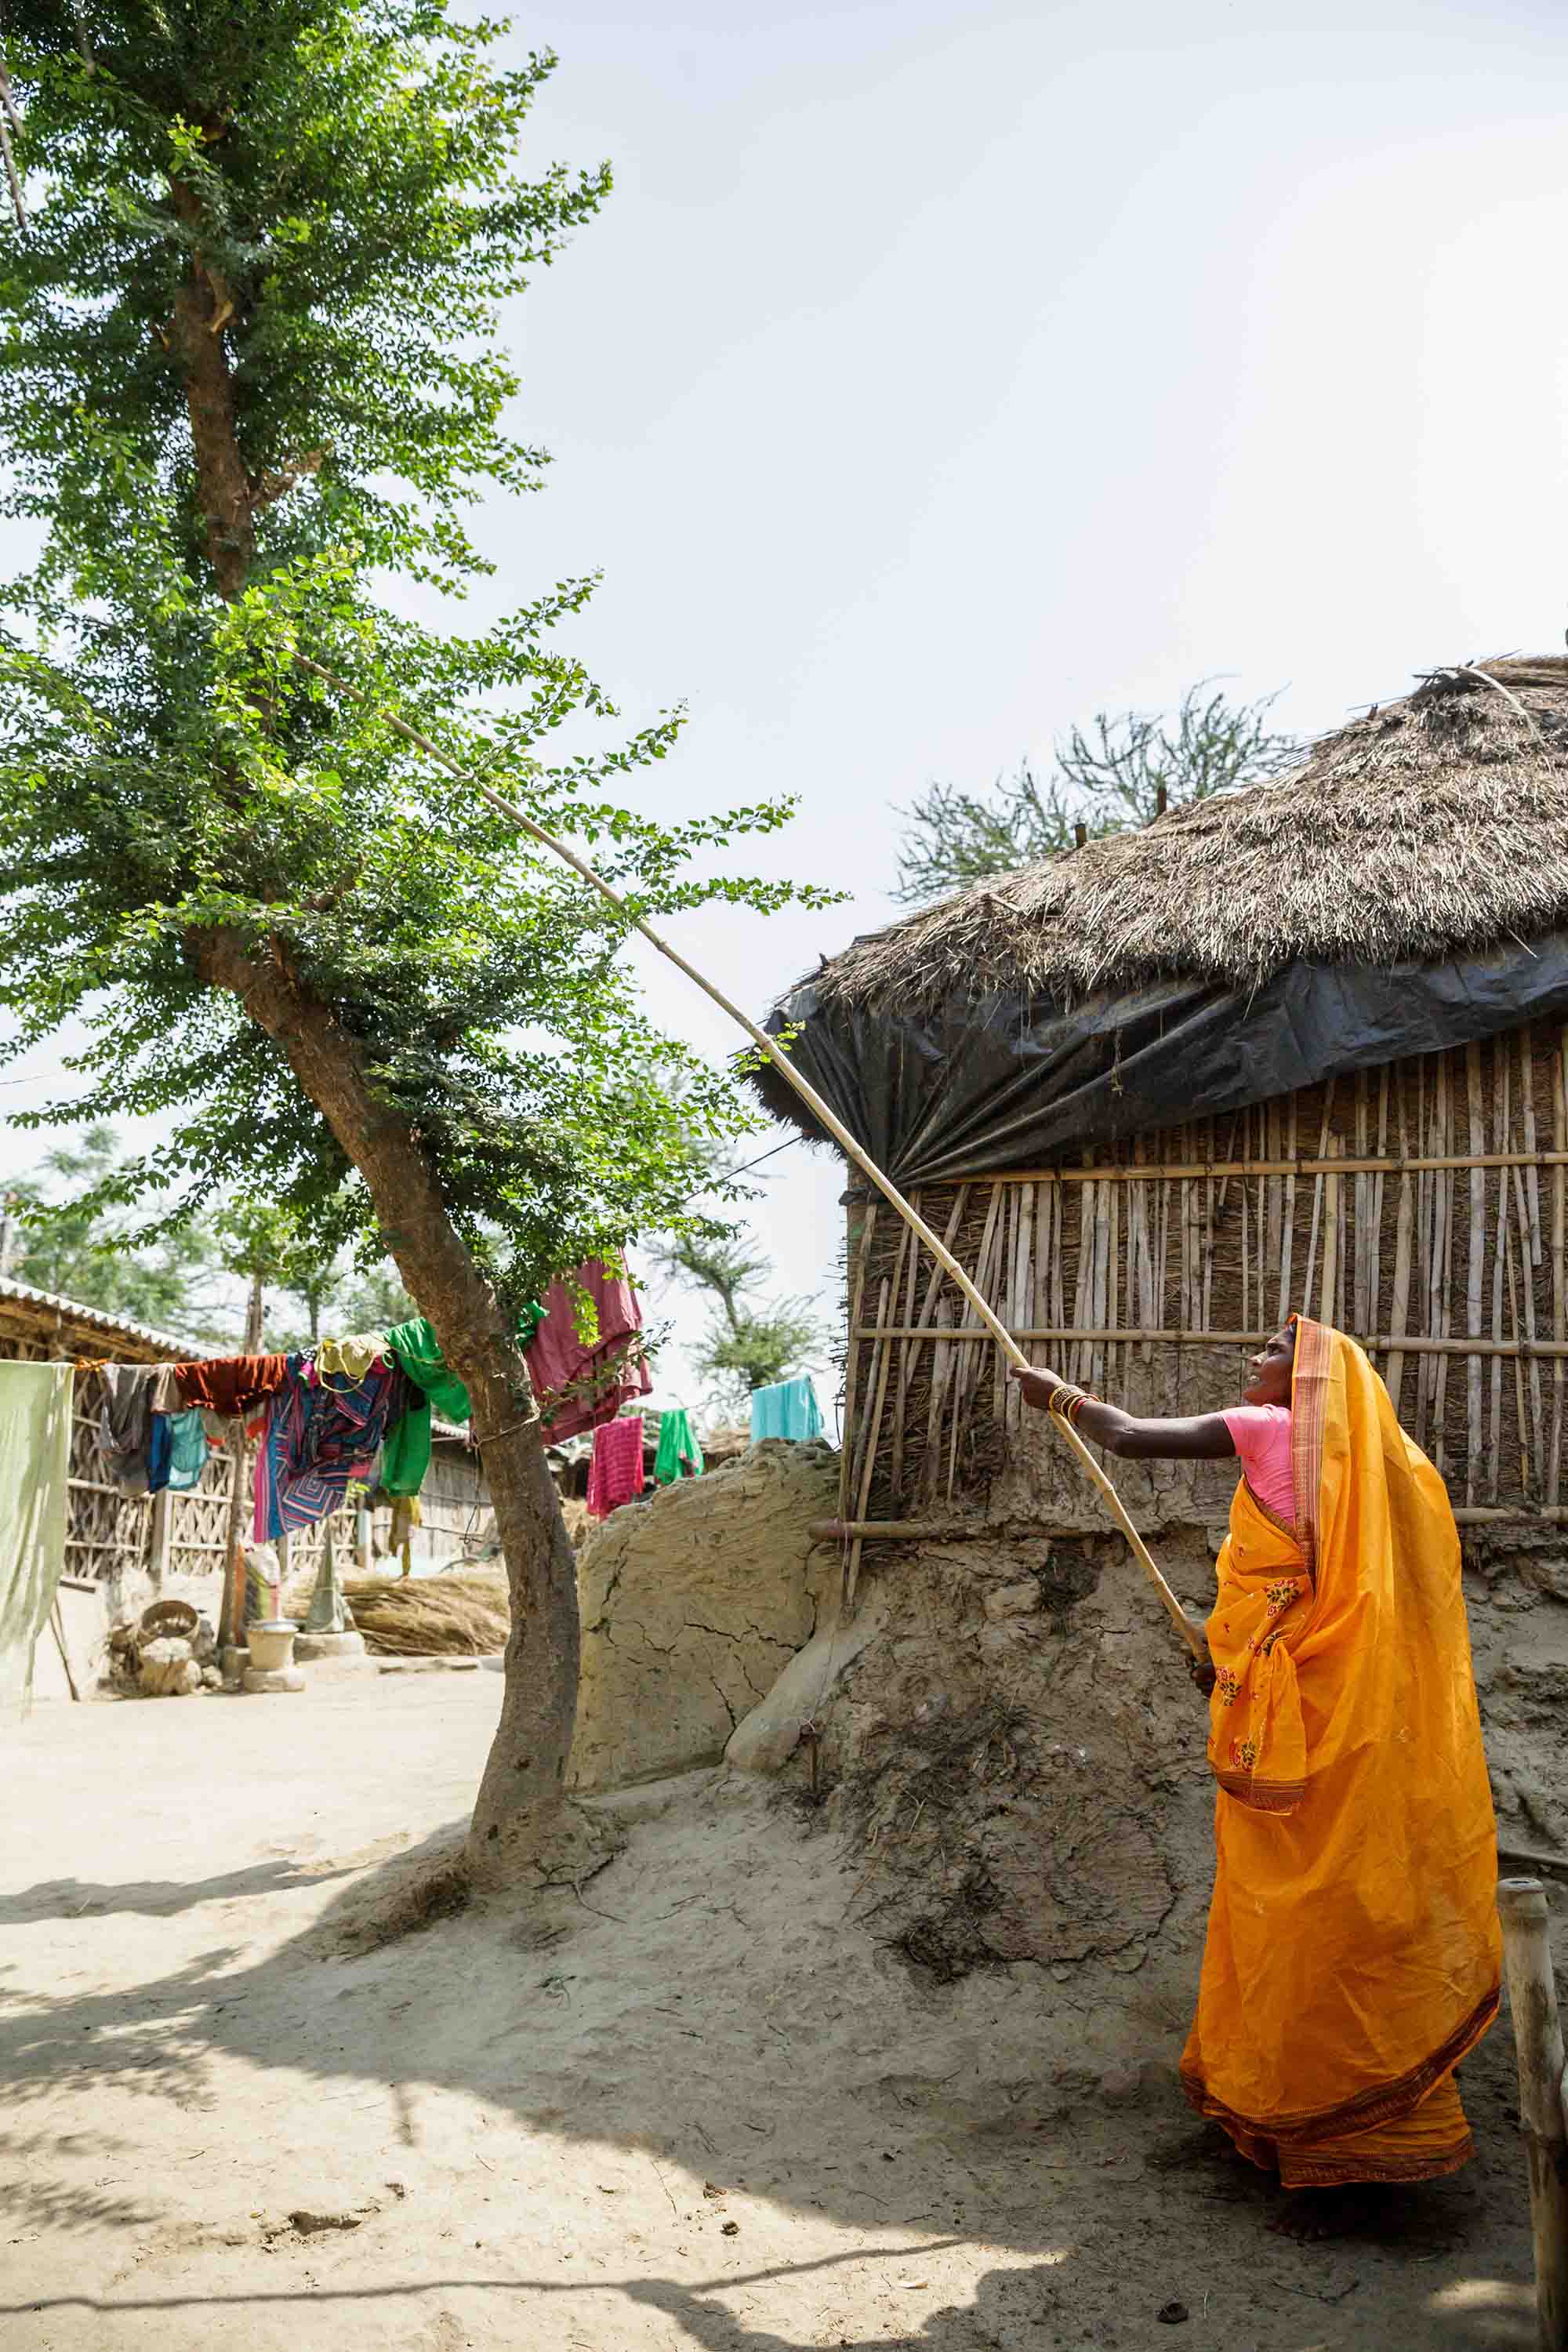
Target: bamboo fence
<point>1422,1207</point>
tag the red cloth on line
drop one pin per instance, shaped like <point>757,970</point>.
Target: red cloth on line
<point>577,1385</point>
<point>231,1385</point>
<point>615,1473</point>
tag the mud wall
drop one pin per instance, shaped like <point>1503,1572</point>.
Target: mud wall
<point>692,1606</point>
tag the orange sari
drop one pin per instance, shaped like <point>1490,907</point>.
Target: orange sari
<point>1352,1953</point>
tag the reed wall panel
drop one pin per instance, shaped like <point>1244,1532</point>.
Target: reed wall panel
<point>1420,1207</point>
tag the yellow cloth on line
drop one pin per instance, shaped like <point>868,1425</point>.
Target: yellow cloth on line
<point>35,1462</point>
<point>1354,1953</point>
<point>354,1354</point>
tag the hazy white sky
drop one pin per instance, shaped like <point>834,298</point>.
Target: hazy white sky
<point>938,376</point>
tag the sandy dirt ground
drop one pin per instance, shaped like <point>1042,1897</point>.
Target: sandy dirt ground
<point>698,2106</point>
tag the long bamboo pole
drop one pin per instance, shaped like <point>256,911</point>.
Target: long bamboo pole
<point>1191,1634</point>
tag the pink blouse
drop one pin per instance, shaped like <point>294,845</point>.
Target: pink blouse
<point>1261,1435</point>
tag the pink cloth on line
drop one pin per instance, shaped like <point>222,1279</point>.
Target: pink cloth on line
<point>1261,1435</point>
<point>578,1385</point>
<point>615,1473</point>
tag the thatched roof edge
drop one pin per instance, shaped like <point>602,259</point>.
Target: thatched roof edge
<point>1426,828</point>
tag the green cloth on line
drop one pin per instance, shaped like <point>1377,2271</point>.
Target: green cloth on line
<point>677,1444</point>
<point>405,1451</point>
<point>406,1455</point>
<point>419,1351</point>
<point>35,1462</point>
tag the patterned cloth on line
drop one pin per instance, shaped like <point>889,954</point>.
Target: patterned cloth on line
<point>317,1439</point>
<point>35,1462</point>
<point>614,1474</point>
<point>785,1409</point>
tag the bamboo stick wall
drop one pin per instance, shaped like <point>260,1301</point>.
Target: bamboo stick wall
<point>1420,1207</point>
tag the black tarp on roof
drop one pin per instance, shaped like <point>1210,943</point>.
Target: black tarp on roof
<point>1004,1082</point>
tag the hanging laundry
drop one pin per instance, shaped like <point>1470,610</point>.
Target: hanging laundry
<point>178,1453</point>
<point>231,1385</point>
<point>615,1472</point>
<point>407,1455</point>
<point>318,1438</point>
<point>35,1462</point>
<point>677,1448</point>
<point>355,1354</point>
<point>419,1351</point>
<point>429,1383</point>
<point>125,1424</point>
<point>158,1452</point>
<point>786,1408</point>
<point>580,1383</point>
<point>166,1397</point>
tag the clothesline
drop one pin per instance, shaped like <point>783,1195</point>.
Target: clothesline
<point>359,1406</point>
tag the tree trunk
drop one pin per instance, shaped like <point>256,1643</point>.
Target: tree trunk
<point>195,344</point>
<point>521,1825</point>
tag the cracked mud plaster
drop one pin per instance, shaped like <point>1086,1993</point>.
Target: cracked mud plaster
<point>693,1605</point>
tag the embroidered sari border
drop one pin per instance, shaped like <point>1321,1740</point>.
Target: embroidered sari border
<point>1262,1796</point>
<point>1340,2172</point>
<point>1386,2103</point>
<point>1281,1526</point>
<point>1324,2172</point>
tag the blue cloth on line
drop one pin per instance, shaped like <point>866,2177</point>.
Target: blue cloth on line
<point>787,1409</point>
<point>176,1452</point>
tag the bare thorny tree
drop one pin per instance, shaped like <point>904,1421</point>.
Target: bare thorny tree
<point>1121,772</point>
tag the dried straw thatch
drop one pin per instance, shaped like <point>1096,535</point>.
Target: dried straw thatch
<point>1427,828</point>
<point>460,1616</point>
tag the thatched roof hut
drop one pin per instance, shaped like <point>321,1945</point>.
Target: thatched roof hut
<point>1300,1046</point>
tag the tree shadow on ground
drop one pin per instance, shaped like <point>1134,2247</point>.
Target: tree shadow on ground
<point>700,2003</point>
<point>158,1898</point>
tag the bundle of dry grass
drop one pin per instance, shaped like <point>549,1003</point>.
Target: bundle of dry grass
<point>1428,827</point>
<point>462,1615</point>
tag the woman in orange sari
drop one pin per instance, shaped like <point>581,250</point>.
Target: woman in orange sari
<point>1352,1953</point>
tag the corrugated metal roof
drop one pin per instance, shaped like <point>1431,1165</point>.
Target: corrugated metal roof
<point>94,1318</point>
<point>177,1349</point>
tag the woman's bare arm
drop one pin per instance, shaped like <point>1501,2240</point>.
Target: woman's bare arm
<point>1203,1437</point>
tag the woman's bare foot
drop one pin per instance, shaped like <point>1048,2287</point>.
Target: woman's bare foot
<point>1314,2216</point>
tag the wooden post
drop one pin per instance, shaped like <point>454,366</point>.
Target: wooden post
<point>231,1621</point>
<point>1330,1185</point>
<point>1538,2042</point>
<point>163,1531</point>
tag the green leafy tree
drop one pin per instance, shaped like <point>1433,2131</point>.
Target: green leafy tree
<point>1123,771</point>
<point>250,374</point>
<point>66,1234</point>
<point>750,1340</point>
<point>268,1245</point>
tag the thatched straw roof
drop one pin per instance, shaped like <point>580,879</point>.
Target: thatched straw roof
<point>1429,827</point>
